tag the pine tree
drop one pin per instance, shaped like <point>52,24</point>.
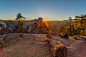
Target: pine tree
<point>19,26</point>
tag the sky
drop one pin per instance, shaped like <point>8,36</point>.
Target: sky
<point>48,9</point>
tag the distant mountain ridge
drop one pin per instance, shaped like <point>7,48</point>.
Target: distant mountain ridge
<point>10,25</point>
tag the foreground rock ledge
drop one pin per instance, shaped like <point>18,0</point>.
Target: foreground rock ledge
<point>57,48</point>
<point>1,43</point>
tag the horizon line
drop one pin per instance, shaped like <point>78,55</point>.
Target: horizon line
<point>35,18</point>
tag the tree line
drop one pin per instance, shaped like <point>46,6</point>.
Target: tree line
<point>76,26</point>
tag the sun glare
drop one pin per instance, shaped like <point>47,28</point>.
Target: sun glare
<point>44,20</point>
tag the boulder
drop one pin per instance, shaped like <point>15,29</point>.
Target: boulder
<point>64,35</point>
<point>78,37</point>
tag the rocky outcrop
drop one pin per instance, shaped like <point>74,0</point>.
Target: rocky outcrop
<point>3,28</point>
<point>2,25</point>
<point>38,27</point>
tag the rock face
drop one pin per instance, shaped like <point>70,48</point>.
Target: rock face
<point>2,25</point>
<point>38,27</point>
<point>3,28</point>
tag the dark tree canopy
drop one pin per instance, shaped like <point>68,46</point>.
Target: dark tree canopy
<point>19,16</point>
